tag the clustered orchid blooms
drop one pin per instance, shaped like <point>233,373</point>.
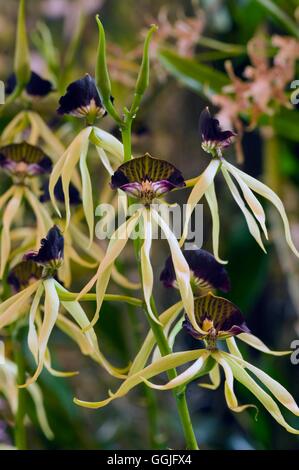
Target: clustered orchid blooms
<point>214,140</point>
<point>35,278</point>
<point>39,245</point>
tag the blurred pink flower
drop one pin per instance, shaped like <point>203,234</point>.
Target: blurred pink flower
<point>263,85</point>
<point>184,32</point>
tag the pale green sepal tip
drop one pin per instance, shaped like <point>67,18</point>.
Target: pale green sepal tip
<point>22,59</point>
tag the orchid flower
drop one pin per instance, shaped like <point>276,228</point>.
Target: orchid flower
<point>83,100</point>
<point>35,277</point>
<point>36,88</point>
<point>207,275</point>
<point>23,162</point>
<point>9,388</point>
<point>220,320</point>
<point>146,179</point>
<point>214,140</point>
<point>206,272</point>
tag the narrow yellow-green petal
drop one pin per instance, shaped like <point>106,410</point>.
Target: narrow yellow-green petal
<point>87,200</point>
<point>15,306</point>
<point>101,278</point>
<point>165,363</point>
<point>50,316</point>
<point>145,262</point>
<point>166,318</point>
<point>251,200</point>
<point>185,376</point>
<point>199,189</point>
<point>109,143</point>
<point>266,192</point>
<point>181,268</point>
<point>8,217</point>
<point>279,392</point>
<point>50,139</point>
<point>232,347</point>
<point>37,397</point>
<point>32,338</point>
<point>258,344</point>
<point>243,377</point>
<point>252,225</point>
<point>211,198</point>
<point>214,375</point>
<point>230,396</point>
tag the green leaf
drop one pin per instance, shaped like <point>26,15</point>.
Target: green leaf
<point>286,124</point>
<point>200,78</point>
<point>281,16</point>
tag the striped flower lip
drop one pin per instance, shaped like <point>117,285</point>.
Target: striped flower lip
<point>74,195</point>
<point>23,274</point>
<point>214,139</point>
<point>219,317</point>
<point>50,253</point>
<point>24,160</point>
<point>82,99</point>
<point>206,272</point>
<point>37,87</point>
<point>147,178</point>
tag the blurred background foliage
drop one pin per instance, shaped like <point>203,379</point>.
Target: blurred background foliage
<point>186,69</point>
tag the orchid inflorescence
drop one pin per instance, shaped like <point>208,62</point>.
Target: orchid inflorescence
<point>45,188</point>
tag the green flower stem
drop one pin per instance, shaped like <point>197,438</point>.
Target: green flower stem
<point>72,296</point>
<point>155,438</point>
<point>19,428</point>
<point>164,348</point>
<point>126,137</point>
<point>11,98</point>
<point>179,393</point>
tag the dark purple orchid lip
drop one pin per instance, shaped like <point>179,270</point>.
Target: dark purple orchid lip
<point>37,87</point>
<point>82,99</point>
<point>219,317</point>
<point>206,272</point>
<point>147,177</point>
<point>24,159</point>
<point>22,274</point>
<point>51,250</point>
<point>211,132</point>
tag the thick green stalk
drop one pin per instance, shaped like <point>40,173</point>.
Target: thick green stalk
<point>126,139</point>
<point>179,393</point>
<point>164,348</point>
